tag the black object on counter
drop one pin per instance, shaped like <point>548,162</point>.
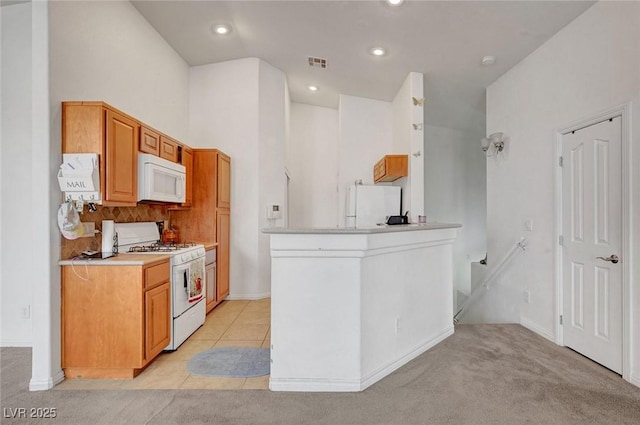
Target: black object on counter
<point>398,219</point>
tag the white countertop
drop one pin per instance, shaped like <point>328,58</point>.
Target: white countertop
<point>359,230</point>
<point>122,259</point>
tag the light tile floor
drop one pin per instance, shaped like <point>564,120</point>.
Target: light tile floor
<point>231,324</point>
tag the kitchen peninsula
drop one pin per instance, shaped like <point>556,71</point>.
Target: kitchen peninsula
<point>351,305</point>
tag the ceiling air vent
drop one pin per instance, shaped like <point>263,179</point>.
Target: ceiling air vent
<point>317,62</point>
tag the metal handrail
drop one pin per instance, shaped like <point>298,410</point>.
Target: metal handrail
<point>522,244</point>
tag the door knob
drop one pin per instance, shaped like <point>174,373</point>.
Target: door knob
<point>613,258</point>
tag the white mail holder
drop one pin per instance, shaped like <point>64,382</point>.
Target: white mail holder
<point>79,177</point>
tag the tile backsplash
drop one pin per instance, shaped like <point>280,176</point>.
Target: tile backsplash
<point>143,212</point>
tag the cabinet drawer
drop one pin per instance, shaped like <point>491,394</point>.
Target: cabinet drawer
<point>168,149</point>
<point>149,141</point>
<point>155,275</point>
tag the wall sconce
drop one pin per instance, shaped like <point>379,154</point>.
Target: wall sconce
<point>494,140</point>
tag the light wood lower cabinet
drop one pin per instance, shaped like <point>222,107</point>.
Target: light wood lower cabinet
<point>210,278</point>
<point>157,302</point>
<point>223,224</point>
<point>115,319</point>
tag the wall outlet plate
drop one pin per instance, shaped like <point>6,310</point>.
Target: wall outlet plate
<point>274,212</point>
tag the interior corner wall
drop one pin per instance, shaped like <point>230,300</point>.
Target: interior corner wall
<point>365,134</point>
<point>455,192</point>
<point>224,105</point>
<point>16,176</point>
<point>271,159</point>
<point>589,66</point>
<point>313,166</point>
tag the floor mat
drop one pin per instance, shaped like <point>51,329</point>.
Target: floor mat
<point>231,362</point>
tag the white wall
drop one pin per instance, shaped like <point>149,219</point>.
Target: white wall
<point>455,192</point>
<point>240,107</point>
<point>591,65</point>
<point>271,175</point>
<point>365,129</point>
<point>108,51</point>
<point>15,139</point>
<point>225,115</point>
<point>24,281</point>
<point>313,166</point>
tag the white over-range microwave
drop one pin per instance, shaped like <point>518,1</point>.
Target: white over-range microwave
<point>160,180</point>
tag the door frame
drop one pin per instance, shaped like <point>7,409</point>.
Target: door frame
<point>623,111</point>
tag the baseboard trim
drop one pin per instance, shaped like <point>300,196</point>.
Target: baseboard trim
<point>635,380</point>
<point>47,383</point>
<point>314,385</point>
<point>387,369</point>
<point>354,385</point>
<point>15,343</point>
<point>250,297</point>
<point>533,327</point>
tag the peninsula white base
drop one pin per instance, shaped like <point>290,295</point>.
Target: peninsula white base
<point>348,306</point>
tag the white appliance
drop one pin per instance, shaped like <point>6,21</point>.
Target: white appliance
<point>369,205</point>
<point>160,179</point>
<point>188,280</point>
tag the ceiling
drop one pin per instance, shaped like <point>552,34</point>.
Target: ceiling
<point>444,40</point>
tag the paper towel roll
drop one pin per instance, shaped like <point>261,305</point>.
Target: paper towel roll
<point>109,237</point>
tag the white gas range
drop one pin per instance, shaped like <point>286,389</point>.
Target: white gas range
<point>188,303</point>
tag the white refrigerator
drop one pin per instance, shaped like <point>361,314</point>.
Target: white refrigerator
<point>369,205</point>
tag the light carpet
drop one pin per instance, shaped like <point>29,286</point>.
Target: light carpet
<point>482,374</point>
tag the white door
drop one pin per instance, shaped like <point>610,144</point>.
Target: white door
<point>592,232</point>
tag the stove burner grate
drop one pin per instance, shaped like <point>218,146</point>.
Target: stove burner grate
<point>161,247</point>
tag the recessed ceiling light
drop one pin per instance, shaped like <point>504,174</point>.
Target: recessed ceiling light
<point>377,51</point>
<point>488,60</point>
<point>395,2</point>
<point>313,88</point>
<point>222,29</point>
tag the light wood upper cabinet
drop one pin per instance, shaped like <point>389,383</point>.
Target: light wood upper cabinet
<point>95,127</point>
<point>390,168</point>
<point>186,159</point>
<point>149,141</point>
<point>168,148</point>
<point>224,181</point>
<point>122,158</point>
<point>211,174</point>
<point>115,320</point>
